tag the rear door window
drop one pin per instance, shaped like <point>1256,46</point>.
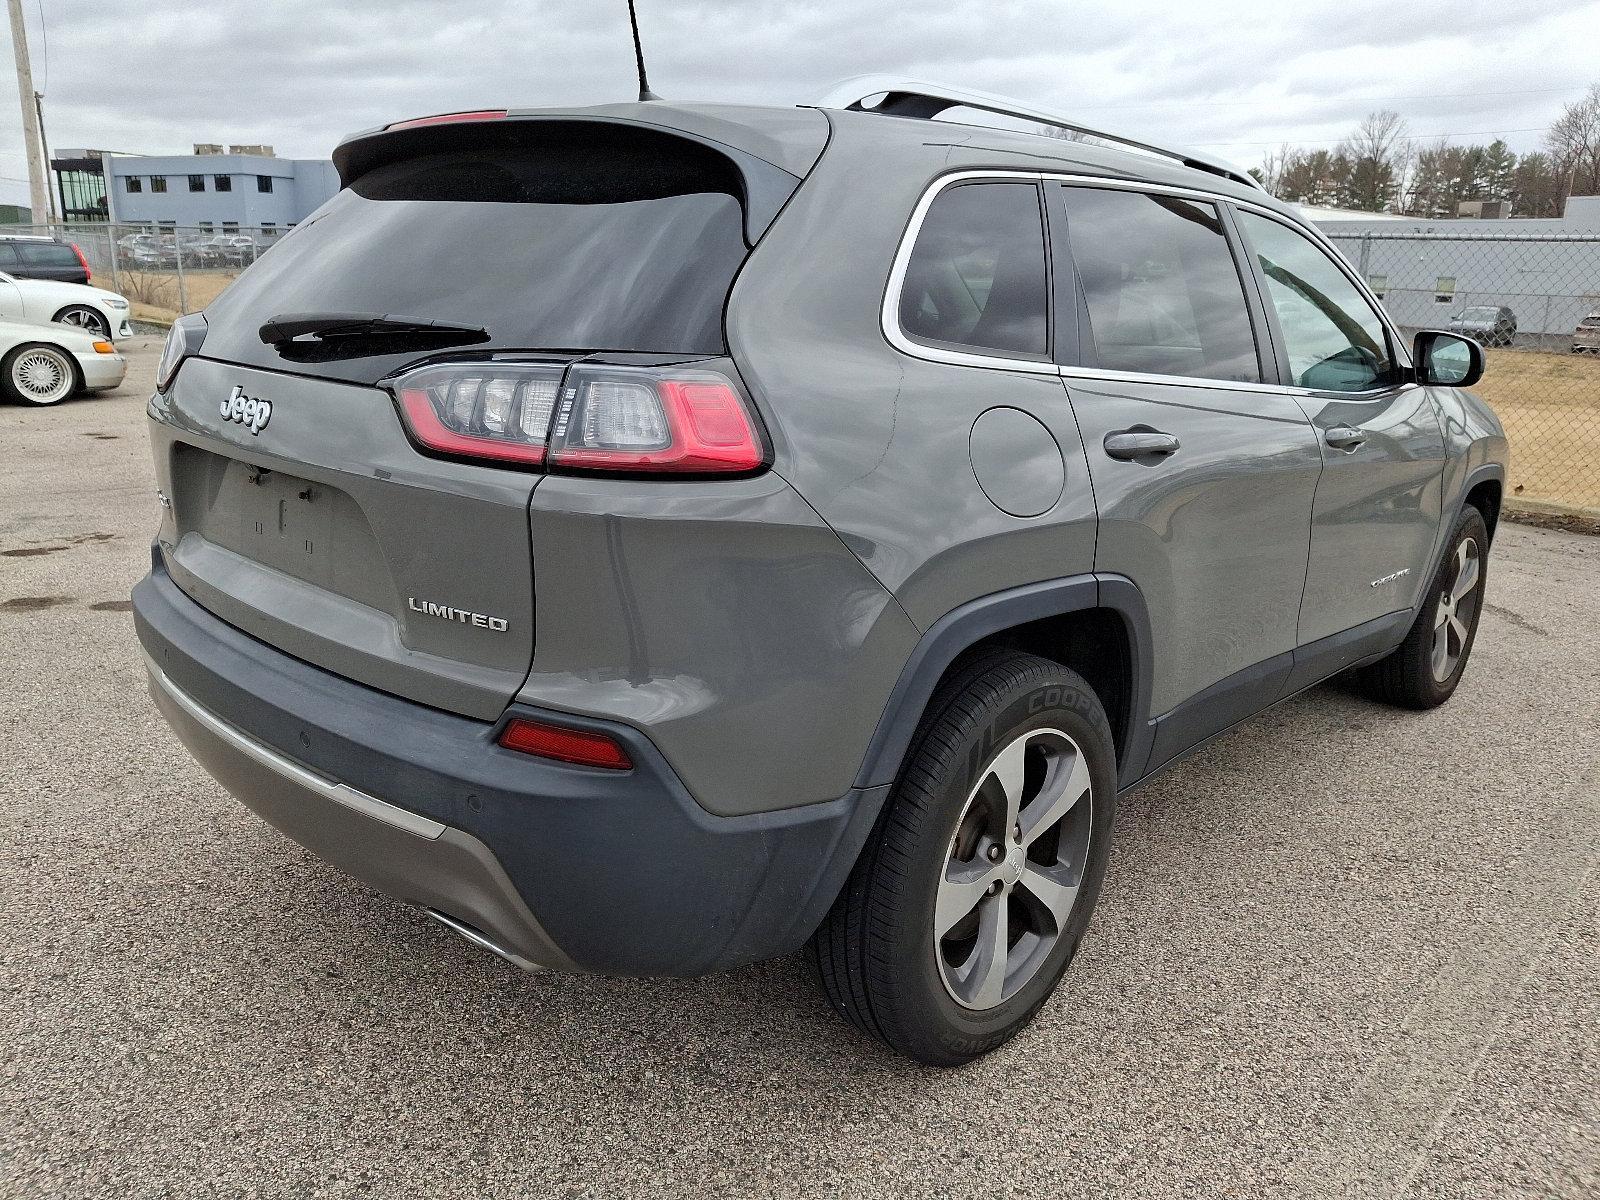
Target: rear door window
<point>976,279</point>
<point>1334,338</point>
<point>1163,292</point>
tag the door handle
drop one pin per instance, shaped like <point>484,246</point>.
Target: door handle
<point>1343,437</point>
<point>1128,444</point>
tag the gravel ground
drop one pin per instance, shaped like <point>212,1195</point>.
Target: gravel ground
<point>1346,951</point>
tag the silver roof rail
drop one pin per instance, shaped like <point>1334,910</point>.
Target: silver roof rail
<point>916,98</point>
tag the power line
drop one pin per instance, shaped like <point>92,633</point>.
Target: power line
<point>1333,99</point>
<point>1410,137</point>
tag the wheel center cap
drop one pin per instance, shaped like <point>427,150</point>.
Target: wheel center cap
<point>1015,858</point>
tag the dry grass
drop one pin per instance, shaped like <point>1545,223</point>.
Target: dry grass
<point>1550,406</point>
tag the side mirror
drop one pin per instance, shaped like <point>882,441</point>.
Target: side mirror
<point>1446,359</point>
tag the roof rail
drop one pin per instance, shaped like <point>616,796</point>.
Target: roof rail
<point>915,98</point>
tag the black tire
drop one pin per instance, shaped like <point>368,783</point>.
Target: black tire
<point>82,316</point>
<point>1407,677</point>
<point>876,952</point>
<point>71,386</point>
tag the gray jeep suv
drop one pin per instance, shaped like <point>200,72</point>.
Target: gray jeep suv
<point>653,538</point>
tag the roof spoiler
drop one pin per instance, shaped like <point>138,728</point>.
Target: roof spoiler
<point>915,98</point>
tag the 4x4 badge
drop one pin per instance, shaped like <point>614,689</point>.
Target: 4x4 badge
<point>253,414</point>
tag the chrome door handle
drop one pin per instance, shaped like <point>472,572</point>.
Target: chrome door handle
<point>1343,437</point>
<point>1128,444</point>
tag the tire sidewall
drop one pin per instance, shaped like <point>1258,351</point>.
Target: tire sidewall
<point>1052,699</point>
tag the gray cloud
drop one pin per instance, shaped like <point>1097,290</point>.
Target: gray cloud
<point>1233,75</point>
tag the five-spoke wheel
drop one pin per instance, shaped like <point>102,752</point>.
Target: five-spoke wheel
<point>1014,868</point>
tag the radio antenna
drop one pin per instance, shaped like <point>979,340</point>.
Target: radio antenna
<point>638,53</point>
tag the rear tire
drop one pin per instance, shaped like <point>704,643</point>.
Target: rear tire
<point>975,888</point>
<point>1425,669</point>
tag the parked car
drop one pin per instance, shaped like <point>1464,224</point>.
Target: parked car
<point>46,364</point>
<point>1586,337</point>
<point>32,257</point>
<point>233,249</point>
<point>693,603</point>
<point>41,301</point>
<point>1491,325</point>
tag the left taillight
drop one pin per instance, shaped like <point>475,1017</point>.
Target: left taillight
<point>82,261</point>
<point>183,340</point>
<point>586,417</point>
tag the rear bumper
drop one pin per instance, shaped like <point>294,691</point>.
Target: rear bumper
<point>556,866</point>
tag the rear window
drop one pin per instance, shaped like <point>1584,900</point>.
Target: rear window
<point>48,254</point>
<point>573,237</point>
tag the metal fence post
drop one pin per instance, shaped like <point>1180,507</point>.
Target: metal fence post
<point>116,274</point>
<point>177,257</point>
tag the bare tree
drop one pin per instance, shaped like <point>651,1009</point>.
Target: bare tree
<point>1379,154</point>
<point>1574,144</point>
<point>1274,167</point>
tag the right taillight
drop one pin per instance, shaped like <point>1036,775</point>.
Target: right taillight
<point>628,420</point>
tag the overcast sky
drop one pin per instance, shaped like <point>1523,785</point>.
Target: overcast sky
<point>1231,76</point>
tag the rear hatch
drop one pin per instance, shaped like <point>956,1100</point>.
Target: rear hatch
<point>303,510</point>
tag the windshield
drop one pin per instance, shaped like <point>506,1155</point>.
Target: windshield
<point>1480,314</point>
<point>579,241</point>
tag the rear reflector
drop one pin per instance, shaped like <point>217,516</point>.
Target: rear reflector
<point>565,745</point>
<point>479,114</point>
<point>622,420</point>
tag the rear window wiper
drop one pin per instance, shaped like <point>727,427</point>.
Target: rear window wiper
<point>312,336</point>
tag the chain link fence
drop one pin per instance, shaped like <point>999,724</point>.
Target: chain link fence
<point>1533,300</point>
<point>163,270</point>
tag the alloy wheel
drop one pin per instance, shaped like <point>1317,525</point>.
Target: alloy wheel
<point>1456,611</point>
<point>1014,868</point>
<point>87,319</point>
<point>42,375</point>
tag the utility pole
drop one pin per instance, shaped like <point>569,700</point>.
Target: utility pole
<point>38,188</point>
<point>44,145</point>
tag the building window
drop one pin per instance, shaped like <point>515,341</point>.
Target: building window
<point>269,229</point>
<point>133,184</point>
<point>197,183</point>
<point>263,183</point>
<point>158,183</point>
<point>230,227</point>
<point>1379,285</point>
<point>166,226</point>
<point>222,183</point>
<point>1444,289</point>
<point>205,226</point>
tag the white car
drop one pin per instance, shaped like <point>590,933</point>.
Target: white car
<point>41,301</point>
<point>45,363</point>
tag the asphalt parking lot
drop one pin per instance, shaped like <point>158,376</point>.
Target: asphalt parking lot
<point>1343,952</point>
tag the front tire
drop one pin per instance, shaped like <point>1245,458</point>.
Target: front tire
<point>90,320</point>
<point>1424,671</point>
<point>38,374</point>
<point>975,888</point>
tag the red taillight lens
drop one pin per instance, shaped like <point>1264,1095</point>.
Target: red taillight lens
<point>82,261</point>
<point>586,418</point>
<point>496,411</point>
<point>689,422</point>
<point>565,745</point>
<point>478,114</point>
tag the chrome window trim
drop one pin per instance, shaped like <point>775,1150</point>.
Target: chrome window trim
<point>327,789</point>
<point>889,313</point>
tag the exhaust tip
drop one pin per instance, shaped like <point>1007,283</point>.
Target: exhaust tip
<point>483,941</point>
